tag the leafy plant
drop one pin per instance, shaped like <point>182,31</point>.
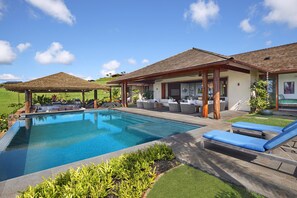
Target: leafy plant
<point>135,96</point>
<point>116,94</point>
<point>103,100</point>
<point>128,175</point>
<point>42,99</point>
<point>148,94</point>
<point>3,122</point>
<point>259,96</point>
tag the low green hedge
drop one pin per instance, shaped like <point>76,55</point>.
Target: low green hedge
<point>126,176</point>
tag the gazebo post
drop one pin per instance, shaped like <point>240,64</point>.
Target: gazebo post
<point>110,94</point>
<point>83,98</point>
<point>95,99</point>
<point>27,101</point>
<point>216,94</point>
<point>205,94</point>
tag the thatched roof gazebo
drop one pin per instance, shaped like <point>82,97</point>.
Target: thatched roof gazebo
<point>60,82</point>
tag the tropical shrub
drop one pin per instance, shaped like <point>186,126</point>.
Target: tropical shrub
<point>41,99</point>
<point>116,95</point>
<point>135,96</point>
<point>3,122</point>
<point>126,176</point>
<point>259,96</point>
<point>15,106</point>
<point>148,94</point>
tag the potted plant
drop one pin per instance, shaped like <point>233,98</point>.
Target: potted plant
<point>259,101</point>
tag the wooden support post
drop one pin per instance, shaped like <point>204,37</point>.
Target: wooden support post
<point>276,92</point>
<point>83,98</point>
<point>163,90</point>
<point>110,94</point>
<point>30,99</point>
<point>95,99</point>
<point>216,94</point>
<point>122,94</point>
<point>125,94</point>
<point>27,101</point>
<point>205,94</point>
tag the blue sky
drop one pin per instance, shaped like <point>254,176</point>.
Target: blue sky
<point>94,37</point>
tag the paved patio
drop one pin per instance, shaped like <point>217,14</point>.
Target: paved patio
<point>264,176</point>
<point>270,178</point>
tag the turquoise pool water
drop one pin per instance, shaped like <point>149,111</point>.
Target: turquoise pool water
<point>47,141</point>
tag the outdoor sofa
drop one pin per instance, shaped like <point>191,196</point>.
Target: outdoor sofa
<point>286,103</point>
<point>174,107</point>
<point>139,104</point>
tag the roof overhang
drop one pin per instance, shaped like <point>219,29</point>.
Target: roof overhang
<point>229,64</point>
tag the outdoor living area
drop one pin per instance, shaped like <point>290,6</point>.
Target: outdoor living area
<point>52,85</point>
<point>199,81</point>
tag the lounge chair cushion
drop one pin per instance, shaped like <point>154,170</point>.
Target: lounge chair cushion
<point>290,126</point>
<point>281,138</point>
<point>234,139</point>
<point>257,127</point>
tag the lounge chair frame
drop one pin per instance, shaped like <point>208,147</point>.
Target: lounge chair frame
<point>268,154</point>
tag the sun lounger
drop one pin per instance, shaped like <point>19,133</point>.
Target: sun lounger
<point>248,127</point>
<point>252,145</point>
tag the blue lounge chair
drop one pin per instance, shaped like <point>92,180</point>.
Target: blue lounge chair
<point>252,127</point>
<point>253,145</point>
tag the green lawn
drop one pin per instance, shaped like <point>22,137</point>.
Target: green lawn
<point>186,181</point>
<point>261,119</point>
<point>8,97</point>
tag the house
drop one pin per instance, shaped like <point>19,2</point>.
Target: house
<point>206,75</point>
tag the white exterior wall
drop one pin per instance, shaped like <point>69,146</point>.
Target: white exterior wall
<point>282,78</point>
<point>239,91</point>
<point>238,95</point>
<point>157,90</point>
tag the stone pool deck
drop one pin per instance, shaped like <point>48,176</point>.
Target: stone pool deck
<point>269,178</point>
<point>261,175</point>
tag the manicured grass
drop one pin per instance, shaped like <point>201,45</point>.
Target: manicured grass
<point>9,97</point>
<point>186,181</point>
<point>261,119</point>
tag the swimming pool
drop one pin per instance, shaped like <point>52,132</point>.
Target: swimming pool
<point>46,141</point>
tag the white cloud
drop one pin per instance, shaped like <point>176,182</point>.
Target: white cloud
<point>7,55</point>
<point>246,26</point>
<point>282,11</point>
<point>110,67</point>
<point>268,43</point>
<point>8,77</point>
<point>82,76</point>
<point>23,46</point>
<point>54,54</point>
<point>202,12</point>
<point>145,61</point>
<point>54,8</point>
<point>132,61</point>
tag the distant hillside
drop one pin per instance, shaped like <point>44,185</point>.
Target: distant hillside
<point>104,80</point>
